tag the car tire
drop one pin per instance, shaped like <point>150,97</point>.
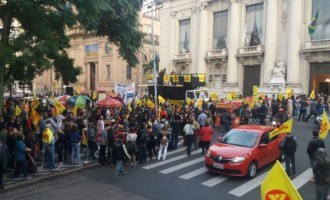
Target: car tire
<point>252,170</point>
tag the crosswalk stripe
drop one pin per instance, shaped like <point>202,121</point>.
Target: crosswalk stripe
<point>175,151</point>
<point>170,160</point>
<point>248,186</point>
<point>194,173</point>
<point>303,178</point>
<point>181,166</point>
<point>214,181</point>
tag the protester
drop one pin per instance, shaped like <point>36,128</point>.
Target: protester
<point>131,145</point>
<point>3,161</point>
<point>314,144</point>
<point>206,137</point>
<point>75,140</point>
<point>189,132</point>
<point>163,141</point>
<point>20,158</point>
<point>119,152</point>
<point>321,171</point>
<point>289,146</point>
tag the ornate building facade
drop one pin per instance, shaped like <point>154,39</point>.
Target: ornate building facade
<point>241,43</point>
<point>100,61</point>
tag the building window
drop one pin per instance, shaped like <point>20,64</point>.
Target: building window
<point>254,25</point>
<point>220,30</point>
<point>108,71</point>
<point>184,40</point>
<point>129,72</point>
<point>322,30</point>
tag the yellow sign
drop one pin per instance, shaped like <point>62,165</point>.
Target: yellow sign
<point>175,78</point>
<point>187,78</point>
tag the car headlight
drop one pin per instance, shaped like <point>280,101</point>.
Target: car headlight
<point>238,159</point>
<point>208,154</point>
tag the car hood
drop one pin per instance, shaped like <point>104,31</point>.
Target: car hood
<point>228,151</point>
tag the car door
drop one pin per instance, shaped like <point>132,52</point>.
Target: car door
<point>264,154</point>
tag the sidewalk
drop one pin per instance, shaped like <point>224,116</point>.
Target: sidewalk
<point>43,174</point>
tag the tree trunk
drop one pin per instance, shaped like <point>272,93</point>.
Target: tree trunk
<point>4,45</point>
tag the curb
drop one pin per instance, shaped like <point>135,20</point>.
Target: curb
<point>18,185</point>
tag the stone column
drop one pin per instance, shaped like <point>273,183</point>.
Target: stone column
<point>294,38</point>
<point>270,40</point>
<point>203,33</point>
<point>233,43</point>
<point>97,75</point>
<point>88,84</point>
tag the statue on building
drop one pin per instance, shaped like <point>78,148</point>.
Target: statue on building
<point>279,69</point>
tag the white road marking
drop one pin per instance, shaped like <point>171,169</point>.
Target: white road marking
<point>160,163</point>
<point>181,166</point>
<point>194,173</point>
<point>214,181</point>
<point>303,178</point>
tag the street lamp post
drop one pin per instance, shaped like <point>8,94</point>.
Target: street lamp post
<point>153,6</point>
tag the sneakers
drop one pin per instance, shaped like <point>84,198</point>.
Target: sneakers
<point>18,178</point>
<point>27,178</point>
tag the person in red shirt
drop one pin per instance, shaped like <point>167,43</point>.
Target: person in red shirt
<point>163,114</point>
<point>206,133</point>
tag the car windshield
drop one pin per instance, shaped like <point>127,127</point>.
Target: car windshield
<point>240,138</point>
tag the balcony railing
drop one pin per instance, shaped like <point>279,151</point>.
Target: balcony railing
<point>251,50</point>
<point>317,44</point>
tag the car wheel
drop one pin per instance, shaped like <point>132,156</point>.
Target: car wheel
<point>252,170</point>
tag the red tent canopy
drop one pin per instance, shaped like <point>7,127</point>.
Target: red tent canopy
<point>108,102</point>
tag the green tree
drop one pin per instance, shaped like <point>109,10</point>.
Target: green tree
<point>33,34</point>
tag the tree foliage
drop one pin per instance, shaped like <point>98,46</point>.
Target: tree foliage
<point>33,34</point>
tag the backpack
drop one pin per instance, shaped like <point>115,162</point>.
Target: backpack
<point>131,147</point>
<point>290,145</point>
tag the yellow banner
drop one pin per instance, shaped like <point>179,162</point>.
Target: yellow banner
<point>187,78</point>
<point>35,117</point>
<point>175,78</point>
<point>284,128</point>
<point>166,78</point>
<point>277,185</point>
<point>280,96</point>
<point>18,110</point>
<point>312,95</point>
<point>150,104</point>
<point>35,102</point>
<point>201,77</point>
<point>59,108</point>
<point>288,93</point>
<point>161,99</point>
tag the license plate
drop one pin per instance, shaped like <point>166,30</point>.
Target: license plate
<point>218,165</point>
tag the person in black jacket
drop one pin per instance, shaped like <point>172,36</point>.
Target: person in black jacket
<point>322,174</point>
<point>3,161</point>
<point>118,154</point>
<point>314,144</point>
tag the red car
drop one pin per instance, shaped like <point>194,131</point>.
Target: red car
<point>243,150</point>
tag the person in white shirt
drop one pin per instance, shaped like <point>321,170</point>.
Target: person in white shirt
<point>189,133</point>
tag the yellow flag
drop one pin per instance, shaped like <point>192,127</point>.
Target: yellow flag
<point>199,103</point>
<point>166,78</point>
<point>187,78</point>
<point>161,99</point>
<point>175,78</point>
<point>94,95</point>
<point>280,96</point>
<point>150,76</point>
<point>150,104</point>
<point>262,96</point>
<point>35,117</point>
<point>277,185</point>
<point>59,108</point>
<point>35,102</point>
<point>74,110</point>
<point>288,93</point>
<point>325,126</point>
<point>129,107</point>
<point>312,94</point>
<point>284,128</point>
<point>18,110</point>
<point>138,102</point>
<point>255,93</point>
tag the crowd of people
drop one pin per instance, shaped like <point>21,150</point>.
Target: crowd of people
<point>126,135</point>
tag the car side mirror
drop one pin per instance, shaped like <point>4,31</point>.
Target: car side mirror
<point>219,139</point>
<point>262,145</point>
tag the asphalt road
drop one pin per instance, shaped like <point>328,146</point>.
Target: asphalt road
<point>178,177</point>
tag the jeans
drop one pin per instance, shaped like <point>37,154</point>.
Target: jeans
<point>190,140</point>
<point>290,164</point>
<point>21,165</point>
<point>205,146</point>
<point>310,114</point>
<point>92,148</point>
<point>175,138</point>
<point>67,150</point>
<point>162,147</point>
<point>75,150</point>
<point>303,113</point>
<point>102,158</point>
<point>49,156</point>
<point>60,152</point>
<point>119,168</point>
<point>142,153</point>
<point>322,192</point>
